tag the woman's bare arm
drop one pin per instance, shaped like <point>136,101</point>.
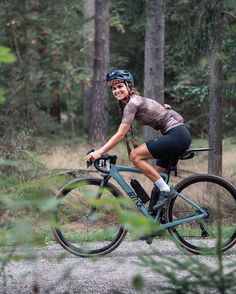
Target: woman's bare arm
<point>111,143</point>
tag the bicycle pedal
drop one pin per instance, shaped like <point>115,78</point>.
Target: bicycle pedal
<point>149,240</point>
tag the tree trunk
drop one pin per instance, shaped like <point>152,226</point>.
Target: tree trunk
<point>216,77</point>
<point>55,106</point>
<point>89,10</point>
<point>99,115</point>
<point>154,56</point>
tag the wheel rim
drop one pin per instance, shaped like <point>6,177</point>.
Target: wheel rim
<point>87,221</point>
<point>199,236</point>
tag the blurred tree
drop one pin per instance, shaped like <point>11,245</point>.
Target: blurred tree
<point>154,56</point>
<point>99,111</point>
<point>216,79</point>
<point>89,31</point>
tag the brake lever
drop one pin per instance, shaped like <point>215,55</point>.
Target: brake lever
<point>89,163</point>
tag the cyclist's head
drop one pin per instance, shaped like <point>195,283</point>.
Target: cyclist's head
<point>119,76</point>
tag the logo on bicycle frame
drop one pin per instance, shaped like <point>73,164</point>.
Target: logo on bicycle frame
<point>133,196</point>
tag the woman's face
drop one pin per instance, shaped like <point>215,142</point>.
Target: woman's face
<point>120,91</point>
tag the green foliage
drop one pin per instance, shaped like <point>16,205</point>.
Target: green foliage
<point>138,283</point>
<point>2,98</point>
<point>49,63</point>
<point>25,207</point>
<point>137,224</point>
<point>16,157</point>
<point>191,276</point>
<point>5,57</point>
<point>186,99</point>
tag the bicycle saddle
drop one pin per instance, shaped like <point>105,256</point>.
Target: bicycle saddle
<point>191,152</point>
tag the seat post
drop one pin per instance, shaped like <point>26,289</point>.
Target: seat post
<point>173,159</point>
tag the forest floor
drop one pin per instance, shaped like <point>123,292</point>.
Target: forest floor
<point>54,271</point>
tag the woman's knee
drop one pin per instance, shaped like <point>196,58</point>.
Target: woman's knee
<point>134,157</point>
<point>140,153</point>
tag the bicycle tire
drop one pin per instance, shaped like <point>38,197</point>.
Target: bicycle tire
<point>82,227</point>
<point>200,237</point>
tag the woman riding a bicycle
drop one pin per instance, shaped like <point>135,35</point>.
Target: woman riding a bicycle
<point>175,137</point>
<point>84,226</point>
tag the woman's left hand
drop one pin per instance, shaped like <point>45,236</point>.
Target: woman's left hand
<point>93,156</point>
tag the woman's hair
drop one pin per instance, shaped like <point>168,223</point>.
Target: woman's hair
<point>132,89</point>
<point>133,140</point>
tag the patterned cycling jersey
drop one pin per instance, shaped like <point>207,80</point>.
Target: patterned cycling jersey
<point>149,112</point>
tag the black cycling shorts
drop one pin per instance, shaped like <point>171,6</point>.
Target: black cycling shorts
<point>172,143</point>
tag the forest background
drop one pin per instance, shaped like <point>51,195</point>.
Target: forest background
<point>180,52</point>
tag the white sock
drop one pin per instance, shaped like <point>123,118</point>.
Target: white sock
<point>161,184</point>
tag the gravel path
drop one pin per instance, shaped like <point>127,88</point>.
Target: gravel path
<point>110,274</point>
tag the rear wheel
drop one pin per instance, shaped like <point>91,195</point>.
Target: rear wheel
<point>218,198</point>
<point>86,222</point>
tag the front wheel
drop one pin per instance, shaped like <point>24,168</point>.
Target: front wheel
<point>86,221</point>
<point>218,199</point>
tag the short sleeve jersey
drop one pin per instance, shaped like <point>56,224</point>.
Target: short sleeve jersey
<point>151,113</point>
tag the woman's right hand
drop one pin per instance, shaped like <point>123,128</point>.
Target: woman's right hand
<point>93,156</point>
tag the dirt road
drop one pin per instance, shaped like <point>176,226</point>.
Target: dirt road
<point>52,270</point>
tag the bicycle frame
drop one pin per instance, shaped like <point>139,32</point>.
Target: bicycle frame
<point>114,172</point>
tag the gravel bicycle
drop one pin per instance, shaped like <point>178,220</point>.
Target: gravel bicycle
<point>86,223</point>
